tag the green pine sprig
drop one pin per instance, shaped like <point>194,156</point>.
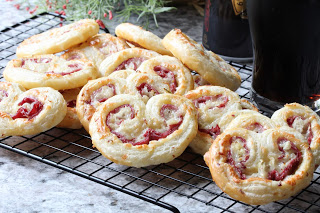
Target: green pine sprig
<point>103,11</point>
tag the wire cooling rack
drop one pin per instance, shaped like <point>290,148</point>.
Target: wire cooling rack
<point>186,176</point>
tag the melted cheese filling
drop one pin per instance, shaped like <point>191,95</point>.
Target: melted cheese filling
<point>3,94</point>
<point>171,116</point>
<point>124,123</point>
<point>281,160</point>
<point>42,66</point>
<point>28,106</point>
<point>108,48</point>
<point>132,63</point>
<point>101,94</point>
<point>49,65</point>
<point>120,118</point>
<point>145,92</point>
<point>209,111</point>
<point>238,152</point>
<point>255,127</point>
<point>301,125</point>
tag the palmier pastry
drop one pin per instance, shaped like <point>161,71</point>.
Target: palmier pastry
<point>211,102</point>
<point>258,168</point>
<point>130,132</point>
<point>71,119</point>
<point>50,71</point>
<point>97,48</point>
<point>172,71</point>
<point>209,65</point>
<point>29,112</point>
<point>58,39</point>
<point>141,38</point>
<point>94,93</point>
<point>305,121</point>
<point>97,91</point>
<point>130,58</point>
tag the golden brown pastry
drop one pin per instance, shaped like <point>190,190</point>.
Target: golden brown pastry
<point>130,132</point>
<point>211,102</point>
<point>305,121</point>
<point>258,168</point>
<point>93,94</point>
<point>29,112</point>
<point>96,48</point>
<point>172,71</point>
<point>247,119</point>
<point>58,39</point>
<point>209,65</point>
<point>140,37</point>
<point>130,58</point>
<point>50,71</point>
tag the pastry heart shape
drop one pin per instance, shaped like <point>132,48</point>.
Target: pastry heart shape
<point>171,70</point>
<point>304,120</point>
<point>50,71</point>
<point>258,168</point>
<point>127,131</point>
<point>97,48</point>
<point>29,112</point>
<point>95,92</point>
<point>212,103</point>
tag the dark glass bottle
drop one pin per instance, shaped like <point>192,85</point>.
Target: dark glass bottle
<point>286,38</point>
<point>226,29</point>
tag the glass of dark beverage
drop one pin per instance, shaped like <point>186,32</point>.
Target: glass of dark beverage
<point>286,42</point>
<point>226,30</point>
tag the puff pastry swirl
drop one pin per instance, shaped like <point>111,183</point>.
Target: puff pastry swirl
<point>172,71</point>
<point>130,132</point>
<point>29,112</point>
<point>211,102</point>
<point>305,121</point>
<point>96,92</point>
<point>50,71</point>
<point>258,168</point>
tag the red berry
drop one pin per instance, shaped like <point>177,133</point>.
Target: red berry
<point>110,15</point>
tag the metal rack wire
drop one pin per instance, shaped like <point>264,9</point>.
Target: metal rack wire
<point>186,176</point>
